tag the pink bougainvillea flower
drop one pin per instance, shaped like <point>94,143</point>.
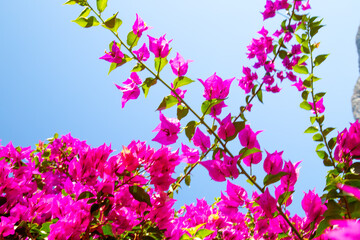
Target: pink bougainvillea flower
<point>131,89</point>
<point>219,170</point>
<point>281,189</point>
<point>344,230</point>
<point>216,170</point>
<point>139,26</point>
<point>267,203</point>
<point>270,9</point>
<point>159,46</point>
<point>216,88</point>
<point>281,4</point>
<point>273,163</point>
<point>349,189</point>
<point>236,193</point>
<point>273,89</point>
<point>296,49</point>
<point>115,56</point>
<point>320,108</point>
<point>247,137</point>
<point>313,207</point>
<point>168,130</point>
<point>246,83</point>
<point>348,144</point>
<point>143,53</point>
<point>291,178</point>
<point>190,155</point>
<point>254,158</point>
<point>306,6</point>
<point>178,65</point>
<point>248,107</point>
<point>227,128</point>
<point>201,140</point>
<point>299,85</point>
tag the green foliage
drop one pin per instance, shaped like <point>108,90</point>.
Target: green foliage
<point>113,23</point>
<point>182,111</point>
<point>269,179</point>
<point>208,104</point>
<point>86,22</point>
<point>101,5</point>
<point>160,63</point>
<point>190,129</point>
<point>167,102</point>
<point>147,84</point>
<point>140,195</point>
<point>181,81</point>
<point>132,39</point>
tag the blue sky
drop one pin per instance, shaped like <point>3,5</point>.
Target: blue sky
<point>52,80</point>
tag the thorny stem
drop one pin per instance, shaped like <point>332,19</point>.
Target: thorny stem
<point>200,118</point>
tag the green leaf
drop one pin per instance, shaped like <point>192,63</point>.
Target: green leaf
<point>319,59</point>
<point>311,130</point>
<point>301,69</point>
<point>305,49</point>
<point>190,129</point>
<point>312,119</point>
<point>305,95</point>
<point>317,137</point>
<point>167,102</point>
<point>182,111</point>
<point>332,142</point>
<point>101,5</point>
<point>284,197</point>
<point>160,63</point>
<point>282,54</point>
<point>107,230</point>
<point>253,178</point>
<point>138,68</point>
<point>328,130</point>
<point>322,154</point>
<point>303,59</point>
<point>208,104</point>
<point>324,224</point>
<point>94,209</point>
<point>269,179</point>
<point>188,180</point>
<point>139,194</point>
<point>132,39</point>
<point>305,105</point>
<point>85,12</point>
<point>182,81</point>
<point>320,119</point>
<point>246,152</point>
<point>72,2</point>
<point>318,96</point>
<point>260,96</point>
<point>319,146</point>
<point>113,66</point>
<point>333,209</point>
<point>113,23</point>
<point>86,22</point>
<point>85,195</point>
<point>185,236</point>
<point>45,229</point>
<point>147,84</point>
<point>202,233</point>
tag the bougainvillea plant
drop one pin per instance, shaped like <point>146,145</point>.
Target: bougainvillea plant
<point>66,189</point>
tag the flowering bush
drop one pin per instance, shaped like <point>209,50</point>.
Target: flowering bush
<point>65,189</point>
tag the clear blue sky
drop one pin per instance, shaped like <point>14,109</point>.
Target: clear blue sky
<point>51,79</point>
